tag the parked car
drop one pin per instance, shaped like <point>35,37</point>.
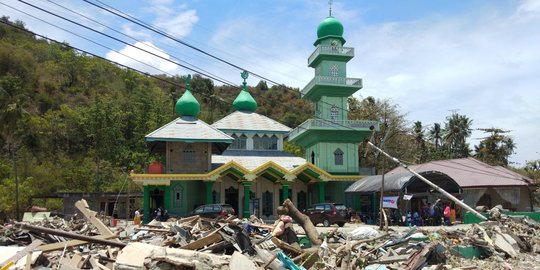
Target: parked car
<point>213,210</point>
<point>328,214</point>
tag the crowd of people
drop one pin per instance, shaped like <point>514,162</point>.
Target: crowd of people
<point>430,215</point>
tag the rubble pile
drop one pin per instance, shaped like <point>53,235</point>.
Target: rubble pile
<point>202,243</point>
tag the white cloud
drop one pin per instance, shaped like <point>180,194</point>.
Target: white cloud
<point>144,61</point>
<point>486,67</point>
<point>176,21</point>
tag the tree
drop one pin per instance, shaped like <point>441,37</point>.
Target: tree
<point>496,148</point>
<point>435,134</point>
<point>394,135</point>
<point>420,142</point>
<point>456,131</point>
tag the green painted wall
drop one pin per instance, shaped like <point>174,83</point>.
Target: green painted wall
<point>335,191</point>
<point>325,159</point>
<point>324,107</point>
<point>149,206</point>
<point>184,196</point>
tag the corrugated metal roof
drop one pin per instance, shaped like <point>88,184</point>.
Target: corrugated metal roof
<point>254,159</point>
<point>188,129</point>
<point>404,181</point>
<point>249,121</point>
<point>469,172</point>
<point>372,183</point>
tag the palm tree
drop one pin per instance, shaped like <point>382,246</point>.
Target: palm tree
<point>457,130</point>
<point>419,141</point>
<point>435,134</point>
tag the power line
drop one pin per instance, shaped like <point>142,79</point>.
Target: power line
<point>165,34</point>
<point>108,60</point>
<point>87,39</point>
<point>123,42</point>
<point>130,37</point>
<point>152,28</point>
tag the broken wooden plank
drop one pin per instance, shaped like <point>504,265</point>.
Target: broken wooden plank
<point>95,264</point>
<point>205,241</point>
<point>82,205</point>
<point>151,229</point>
<point>75,260</point>
<point>286,246</point>
<point>71,243</point>
<point>19,255</point>
<point>71,235</point>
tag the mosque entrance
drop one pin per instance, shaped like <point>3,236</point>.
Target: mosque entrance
<point>156,200</point>
<point>231,198</point>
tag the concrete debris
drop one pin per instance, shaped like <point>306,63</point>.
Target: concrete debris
<point>88,242</point>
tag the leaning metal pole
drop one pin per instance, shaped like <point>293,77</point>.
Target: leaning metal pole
<point>437,188</point>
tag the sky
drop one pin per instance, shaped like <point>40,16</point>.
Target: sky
<point>479,58</point>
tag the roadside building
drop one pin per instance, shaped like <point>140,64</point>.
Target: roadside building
<point>474,182</point>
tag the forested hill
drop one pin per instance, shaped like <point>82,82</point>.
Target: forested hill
<point>77,123</point>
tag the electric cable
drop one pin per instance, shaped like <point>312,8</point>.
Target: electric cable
<point>130,37</point>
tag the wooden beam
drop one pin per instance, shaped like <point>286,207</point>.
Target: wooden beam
<point>82,205</point>
<point>19,255</point>
<point>71,235</point>
<point>205,241</point>
<point>71,243</point>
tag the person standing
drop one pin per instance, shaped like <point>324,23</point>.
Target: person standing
<point>137,217</point>
<point>446,214</point>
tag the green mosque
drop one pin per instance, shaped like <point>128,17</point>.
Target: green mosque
<point>239,159</point>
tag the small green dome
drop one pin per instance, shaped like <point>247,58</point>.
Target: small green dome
<point>330,27</point>
<point>187,105</point>
<point>244,101</point>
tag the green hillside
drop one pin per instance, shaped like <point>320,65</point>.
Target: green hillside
<point>74,122</point>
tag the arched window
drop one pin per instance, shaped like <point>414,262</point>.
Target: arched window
<point>240,142</point>
<point>178,195</point>
<point>334,112</point>
<point>265,142</point>
<point>312,157</point>
<point>189,154</point>
<point>272,142</point>
<point>257,142</point>
<point>334,70</point>
<point>338,157</point>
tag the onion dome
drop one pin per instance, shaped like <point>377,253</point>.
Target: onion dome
<point>244,101</point>
<point>187,104</point>
<point>330,28</point>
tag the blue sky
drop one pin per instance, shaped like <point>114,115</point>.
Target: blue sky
<point>480,58</point>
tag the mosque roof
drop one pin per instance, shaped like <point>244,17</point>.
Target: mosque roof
<point>188,129</point>
<point>249,121</point>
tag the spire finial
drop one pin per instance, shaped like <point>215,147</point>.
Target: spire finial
<point>330,7</point>
<point>244,75</point>
<point>187,81</point>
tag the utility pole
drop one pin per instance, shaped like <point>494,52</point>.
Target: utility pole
<point>14,157</point>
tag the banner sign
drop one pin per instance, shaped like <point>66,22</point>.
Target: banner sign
<point>407,197</point>
<point>390,202</point>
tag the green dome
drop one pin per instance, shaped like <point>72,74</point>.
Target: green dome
<point>244,101</point>
<point>187,105</point>
<point>330,27</point>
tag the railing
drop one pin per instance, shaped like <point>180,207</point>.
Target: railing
<point>331,50</point>
<point>332,81</point>
<point>333,124</point>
